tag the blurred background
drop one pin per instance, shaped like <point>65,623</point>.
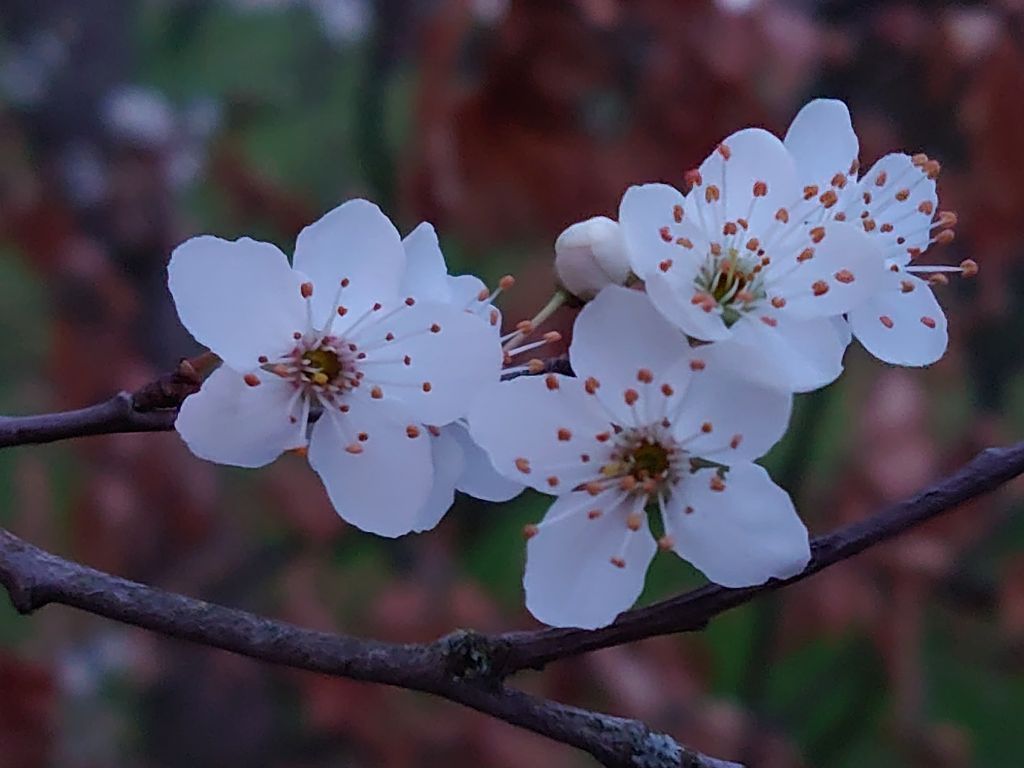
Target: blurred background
<point>126,127</point>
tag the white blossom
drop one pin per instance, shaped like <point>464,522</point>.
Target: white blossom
<point>736,261</point>
<point>648,421</point>
<point>335,336</point>
<point>590,255</point>
<point>459,464</point>
<point>896,204</point>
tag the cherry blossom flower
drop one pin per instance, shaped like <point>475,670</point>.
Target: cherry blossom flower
<point>459,463</point>
<point>896,204</point>
<point>648,421</point>
<point>590,255</point>
<point>332,336</point>
<point>735,260</point>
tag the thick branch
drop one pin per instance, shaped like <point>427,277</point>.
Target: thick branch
<point>692,611</point>
<point>456,667</point>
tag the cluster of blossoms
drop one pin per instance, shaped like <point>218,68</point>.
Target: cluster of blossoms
<point>703,314</point>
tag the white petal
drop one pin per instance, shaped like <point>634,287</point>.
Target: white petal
<point>237,297</point>
<point>755,155</point>
<point>445,369</point>
<point>570,580</point>
<point>899,176</point>
<point>649,220</point>
<point>617,335</point>
<point>846,268</point>
<point>794,355</point>
<point>229,422</point>
<point>426,274</point>
<point>728,417</point>
<point>742,535</point>
<point>357,242</point>
<point>902,328</point>
<point>672,294</point>
<point>479,478</point>
<point>822,141</point>
<point>449,465</point>
<point>534,432</point>
<point>382,488</point>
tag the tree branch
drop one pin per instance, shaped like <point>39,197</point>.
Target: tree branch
<point>451,667</point>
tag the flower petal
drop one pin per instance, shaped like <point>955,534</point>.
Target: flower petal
<point>379,484</point>
<point>845,268</point>
<point>438,359</point>
<point>230,422</point>
<point>726,417</point>
<point>823,143</point>
<point>426,274</point>
<point>794,355</point>
<point>754,155</point>
<point>902,200</point>
<point>655,228</point>
<point>617,335</point>
<point>903,324</point>
<point>449,464</point>
<point>237,297</point>
<point>570,580</point>
<point>672,294</point>
<point>537,428</point>
<point>354,242</point>
<point>479,478</point>
<point>742,535</point>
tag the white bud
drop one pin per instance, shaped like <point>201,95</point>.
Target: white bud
<point>590,255</point>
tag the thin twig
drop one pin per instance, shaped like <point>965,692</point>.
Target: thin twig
<point>455,667</point>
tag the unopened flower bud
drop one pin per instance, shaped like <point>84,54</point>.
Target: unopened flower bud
<point>590,255</point>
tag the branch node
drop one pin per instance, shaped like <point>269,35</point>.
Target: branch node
<point>469,655</point>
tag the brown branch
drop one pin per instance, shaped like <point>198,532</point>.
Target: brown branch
<point>691,611</point>
<point>453,667</point>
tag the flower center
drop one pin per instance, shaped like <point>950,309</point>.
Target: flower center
<point>649,460</point>
<point>324,365</point>
<point>644,460</point>
<point>731,281</point>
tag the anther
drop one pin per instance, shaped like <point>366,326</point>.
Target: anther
<point>645,376</point>
<point>412,431</point>
<point>376,393</point>
<point>634,521</point>
<point>753,244</point>
<point>666,234</point>
<point>717,484</point>
<point>627,483</point>
<point>885,227</point>
<point>886,321</point>
<point>665,543</point>
<point>839,180</point>
<point>819,287</point>
<point>535,366</point>
<point>770,321</point>
<point>251,379</point>
<point>685,242</point>
<point>262,359</point>
<point>782,215</point>
<point>932,169</point>
<point>906,286</point>
<point>724,151</point>
<point>693,178</point>
<point>552,481</point>
<point>426,386</point>
<point>817,234</point>
<point>805,254</point>
<point>434,430</point>
<point>484,295</point>
<point>435,328</point>
<point>902,195</point>
<point>844,276</point>
<point>945,237</point>
<point>389,336</point>
<point>591,384</point>
<point>506,282</point>
<point>603,437</point>
<point>926,207</point>
<point>810,191</point>
<point>630,396</point>
<point>342,311</point>
<point>667,390</point>
<point>880,179</point>
<point>677,213</point>
<point>594,514</point>
<point>618,562</point>
<point>697,365</point>
<point>778,302</point>
<point>919,160</point>
<point>355,449</point>
<point>735,442</point>
<point>760,189</point>
<point>829,198</point>
<point>938,279</point>
<point>946,219</point>
<point>407,360</point>
<point>716,249</point>
<point>593,488</point>
<point>524,326</point>
<point>363,437</point>
<point>306,289</point>
<point>551,381</point>
<point>729,228</point>
<point>969,267</point>
<point>666,265</point>
<point>552,337</point>
<point>711,194</point>
<point>706,427</point>
<point>564,434</point>
<point>529,531</point>
<point>928,322</point>
<point>345,282</point>
<point>494,317</point>
<point>523,465</point>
